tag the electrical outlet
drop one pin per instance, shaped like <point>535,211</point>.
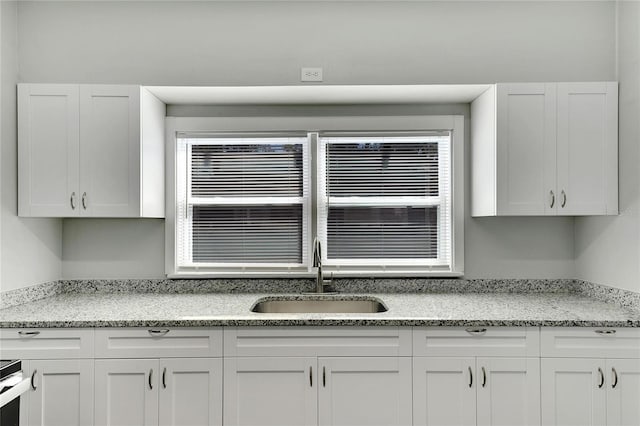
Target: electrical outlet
<point>311,74</point>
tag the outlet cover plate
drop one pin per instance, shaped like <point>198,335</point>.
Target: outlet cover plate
<point>311,74</point>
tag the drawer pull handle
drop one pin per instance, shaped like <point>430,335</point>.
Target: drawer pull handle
<point>72,201</point>
<point>33,379</point>
<point>484,377</point>
<point>28,333</point>
<point>615,377</point>
<point>606,331</point>
<point>311,376</point>
<point>553,199</point>
<point>159,332</point>
<point>150,376</point>
<point>164,378</point>
<point>564,199</point>
<point>84,200</point>
<point>476,330</point>
<point>601,378</point>
<point>470,377</point>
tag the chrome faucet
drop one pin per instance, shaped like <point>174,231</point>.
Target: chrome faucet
<point>317,263</point>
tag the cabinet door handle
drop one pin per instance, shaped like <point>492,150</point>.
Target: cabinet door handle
<point>150,376</point>
<point>84,200</point>
<point>615,377</point>
<point>28,333</point>
<point>564,199</point>
<point>33,379</point>
<point>476,330</point>
<point>311,376</point>
<point>164,378</point>
<point>160,332</point>
<point>484,377</point>
<point>601,378</point>
<point>609,331</point>
<point>324,377</point>
<point>553,199</point>
<point>470,377</point>
<point>72,200</point>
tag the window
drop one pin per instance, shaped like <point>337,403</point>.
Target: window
<point>243,202</point>
<point>249,202</point>
<point>384,202</point>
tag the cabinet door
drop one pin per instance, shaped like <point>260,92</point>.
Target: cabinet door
<point>573,392</point>
<point>623,394</point>
<point>526,149</point>
<point>63,393</point>
<point>126,392</point>
<point>508,391</point>
<point>191,392</point>
<point>364,391</point>
<point>444,391</point>
<point>270,391</point>
<point>48,150</point>
<point>110,151</point>
<point>587,148</point>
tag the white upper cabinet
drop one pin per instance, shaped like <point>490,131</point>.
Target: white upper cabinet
<point>545,149</point>
<point>90,151</point>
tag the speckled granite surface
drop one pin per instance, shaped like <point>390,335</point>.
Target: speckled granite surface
<point>119,309</point>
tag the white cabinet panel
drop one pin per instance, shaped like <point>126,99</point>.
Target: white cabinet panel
<point>364,391</point>
<point>64,393</point>
<point>444,391</point>
<point>46,343</point>
<point>587,148</point>
<point>623,393</point>
<point>158,342</point>
<point>508,391</point>
<point>48,123</point>
<point>270,391</point>
<point>126,392</point>
<point>573,392</point>
<point>588,342</point>
<point>191,392</point>
<point>526,120</point>
<point>110,150</point>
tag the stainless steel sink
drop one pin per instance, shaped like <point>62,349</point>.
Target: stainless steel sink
<point>359,306</point>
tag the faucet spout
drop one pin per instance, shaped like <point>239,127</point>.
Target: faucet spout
<point>317,263</point>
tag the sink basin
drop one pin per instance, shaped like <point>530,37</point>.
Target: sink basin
<point>279,306</point>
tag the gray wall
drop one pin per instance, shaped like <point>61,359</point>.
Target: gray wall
<point>253,43</point>
<point>30,249</point>
<point>608,248</point>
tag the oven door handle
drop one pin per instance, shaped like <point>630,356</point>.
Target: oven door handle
<point>14,392</point>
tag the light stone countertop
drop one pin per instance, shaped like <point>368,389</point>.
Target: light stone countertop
<point>407,309</point>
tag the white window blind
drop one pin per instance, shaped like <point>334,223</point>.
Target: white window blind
<point>384,201</point>
<point>242,202</point>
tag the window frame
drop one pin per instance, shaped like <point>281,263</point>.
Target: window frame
<point>315,124</point>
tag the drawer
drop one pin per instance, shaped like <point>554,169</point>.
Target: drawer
<point>476,341</point>
<point>43,343</point>
<point>316,341</point>
<point>158,343</point>
<point>590,342</point>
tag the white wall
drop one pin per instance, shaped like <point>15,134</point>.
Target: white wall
<point>608,248</point>
<point>30,249</point>
<point>218,43</point>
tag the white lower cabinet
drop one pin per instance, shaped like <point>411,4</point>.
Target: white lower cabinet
<point>126,392</point>
<point>61,393</point>
<point>443,392</point>
<point>590,392</point>
<point>364,391</point>
<point>177,391</point>
<point>335,391</point>
<point>270,391</point>
<point>476,391</point>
